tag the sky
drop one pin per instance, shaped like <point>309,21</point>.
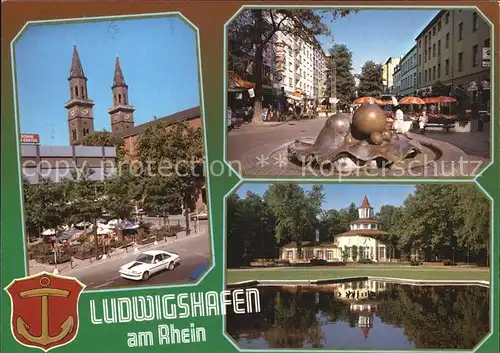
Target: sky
<point>339,196</point>
<point>377,34</point>
<point>158,57</point>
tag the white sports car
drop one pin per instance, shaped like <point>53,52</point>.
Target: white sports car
<point>149,263</point>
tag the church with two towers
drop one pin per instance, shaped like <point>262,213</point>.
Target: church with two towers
<point>80,106</point>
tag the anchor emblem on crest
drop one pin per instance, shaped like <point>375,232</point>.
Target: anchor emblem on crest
<point>48,316</point>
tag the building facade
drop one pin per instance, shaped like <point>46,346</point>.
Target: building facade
<point>408,73</point>
<point>365,235</point>
<point>388,72</point>
<point>58,162</point>
<point>450,50</point>
<point>396,81</point>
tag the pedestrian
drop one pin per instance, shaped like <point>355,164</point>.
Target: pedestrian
<point>398,116</point>
<point>422,121</point>
<point>477,116</point>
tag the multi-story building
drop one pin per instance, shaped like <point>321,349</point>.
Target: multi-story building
<point>388,72</point>
<point>408,73</point>
<point>319,76</point>
<point>450,50</point>
<point>396,80</point>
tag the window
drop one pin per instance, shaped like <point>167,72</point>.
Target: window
<point>366,252</point>
<point>74,134</point>
<point>460,31</point>
<point>434,30</point>
<point>447,40</point>
<point>434,72</point>
<point>290,83</point>
<point>414,79</point>
<point>439,47</point>
<point>419,78</point>
<point>439,26</point>
<point>434,50</point>
<point>420,43</point>
<point>460,61</point>
<point>425,76</point>
<point>447,18</point>
<point>329,255</point>
<point>475,22</point>
<point>487,43</point>
<point>475,56</point>
<point>76,91</point>
<point>374,226</point>
<point>447,67</point>
<point>425,55</point>
<point>119,98</point>
<point>439,71</point>
<point>419,59</point>
<point>381,252</point>
<point>429,53</point>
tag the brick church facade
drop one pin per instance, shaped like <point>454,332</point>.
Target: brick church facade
<point>81,114</point>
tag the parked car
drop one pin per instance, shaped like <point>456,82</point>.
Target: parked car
<point>149,263</point>
<point>200,216</point>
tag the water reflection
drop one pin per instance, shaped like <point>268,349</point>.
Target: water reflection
<point>365,315</point>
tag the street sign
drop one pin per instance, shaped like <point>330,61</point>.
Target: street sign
<point>333,100</point>
<point>251,92</point>
<point>30,138</point>
<point>486,63</point>
<point>486,53</point>
<point>279,78</point>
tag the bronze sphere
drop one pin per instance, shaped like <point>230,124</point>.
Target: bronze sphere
<point>369,118</point>
<point>387,135</point>
<point>376,138</point>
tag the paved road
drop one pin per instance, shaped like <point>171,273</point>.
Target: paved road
<point>193,250</point>
<point>255,150</point>
<point>249,140</point>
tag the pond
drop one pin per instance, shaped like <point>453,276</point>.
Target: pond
<point>365,315</point>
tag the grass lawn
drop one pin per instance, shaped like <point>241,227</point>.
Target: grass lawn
<point>423,272</point>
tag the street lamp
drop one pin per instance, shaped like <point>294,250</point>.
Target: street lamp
<point>453,256</point>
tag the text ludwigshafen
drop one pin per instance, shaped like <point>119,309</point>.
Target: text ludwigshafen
<point>173,306</point>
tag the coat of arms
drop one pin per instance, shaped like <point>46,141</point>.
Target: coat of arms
<point>44,311</point>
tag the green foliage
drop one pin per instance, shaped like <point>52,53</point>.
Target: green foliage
<point>345,254</point>
<point>250,230</point>
<point>415,263</point>
<point>295,211</point>
<point>252,32</point>
<point>172,153</point>
<point>440,89</point>
<point>354,253</point>
<point>106,139</point>
<point>345,83</point>
<point>370,80</point>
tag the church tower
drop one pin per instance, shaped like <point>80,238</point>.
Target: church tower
<point>122,114</point>
<point>366,210</point>
<point>79,106</point>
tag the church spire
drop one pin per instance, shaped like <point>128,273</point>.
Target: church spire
<point>365,203</point>
<point>76,65</point>
<point>118,80</point>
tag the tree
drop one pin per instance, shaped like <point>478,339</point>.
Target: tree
<point>462,97</point>
<point>295,211</point>
<point>388,217</point>
<point>473,213</point>
<point>370,80</point>
<point>345,83</point>
<point>106,139</point>
<point>354,253</point>
<point>440,89</point>
<point>44,205</point>
<point>120,193</point>
<point>173,151</point>
<point>251,33</point>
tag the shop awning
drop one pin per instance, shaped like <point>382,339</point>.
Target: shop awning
<point>239,82</point>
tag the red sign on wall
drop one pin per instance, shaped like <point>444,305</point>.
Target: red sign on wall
<point>30,138</point>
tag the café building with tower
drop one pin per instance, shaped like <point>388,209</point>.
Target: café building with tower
<point>365,234</point>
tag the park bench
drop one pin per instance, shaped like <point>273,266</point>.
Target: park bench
<point>445,124</point>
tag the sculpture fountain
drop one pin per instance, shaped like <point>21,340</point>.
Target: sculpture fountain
<point>368,141</point>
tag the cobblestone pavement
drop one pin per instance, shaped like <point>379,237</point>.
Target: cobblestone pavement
<point>258,151</point>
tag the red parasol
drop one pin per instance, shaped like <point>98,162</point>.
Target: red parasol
<point>365,100</point>
<point>429,100</point>
<point>411,100</point>
<point>444,99</point>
